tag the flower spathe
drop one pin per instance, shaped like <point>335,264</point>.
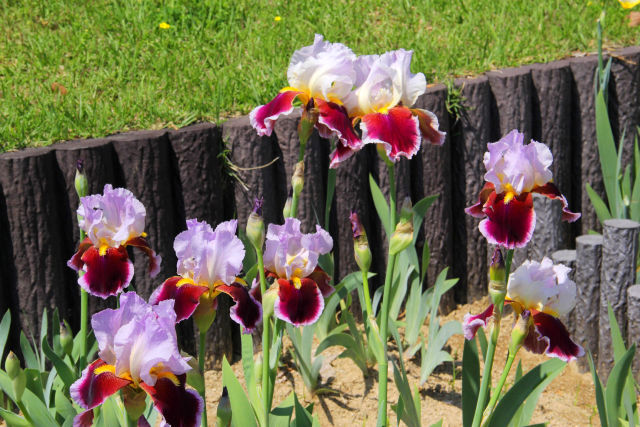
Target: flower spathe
<point>514,172</point>
<point>209,262</point>
<point>138,348</point>
<point>112,221</point>
<point>386,90</point>
<point>291,258</point>
<point>320,75</point>
<point>546,291</point>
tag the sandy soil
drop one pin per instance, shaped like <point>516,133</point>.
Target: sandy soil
<point>568,401</point>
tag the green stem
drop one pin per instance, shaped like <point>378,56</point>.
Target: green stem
<point>496,393</point>
<point>24,412</point>
<point>201,356</point>
<point>266,341</point>
<point>486,374</point>
<point>383,365</point>
<point>84,314</point>
<point>294,205</point>
<point>367,298</point>
<point>134,423</point>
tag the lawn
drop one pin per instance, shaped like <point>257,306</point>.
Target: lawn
<point>75,69</point>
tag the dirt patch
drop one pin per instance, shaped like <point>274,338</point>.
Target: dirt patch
<point>568,401</point>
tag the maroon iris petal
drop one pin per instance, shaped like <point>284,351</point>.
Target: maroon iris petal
<point>299,306</point>
<point>548,335</point>
<point>508,224</point>
<point>476,210</point>
<point>84,419</point>
<point>263,117</point>
<point>76,260</point>
<point>179,407</point>
<point>106,275</point>
<point>398,130</point>
<point>91,389</point>
<point>142,422</point>
<point>552,192</point>
<point>429,127</point>
<point>472,323</point>
<point>323,281</point>
<point>154,260</point>
<point>246,311</point>
<point>186,296</point>
<point>334,119</point>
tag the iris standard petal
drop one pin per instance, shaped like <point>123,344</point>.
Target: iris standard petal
<point>398,131</point>
<point>298,306</point>
<point>107,274</point>
<point>508,224</point>
<point>471,323</point>
<point>186,296</point>
<point>262,118</point>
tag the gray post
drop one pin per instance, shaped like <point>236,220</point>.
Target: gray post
<point>568,258</point>
<point>587,278</point>
<point>547,235</point>
<point>619,250</point>
<point>633,325</point>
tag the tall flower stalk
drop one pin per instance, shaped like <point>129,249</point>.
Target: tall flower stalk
<point>82,188</point>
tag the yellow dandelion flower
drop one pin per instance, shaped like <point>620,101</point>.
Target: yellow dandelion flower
<point>164,26</point>
<point>628,4</point>
<point>277,18</point>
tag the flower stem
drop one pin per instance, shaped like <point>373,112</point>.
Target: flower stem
<point>266,342</point>
<point>294,205</point>
<point>201,356</point>
<point>84,315</point>
<point>496,393</point>
<point>367,298</point>
<point>383,365</point>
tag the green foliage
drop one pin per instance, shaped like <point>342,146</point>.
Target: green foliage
<point>308,366</point>
<point>470,381</point>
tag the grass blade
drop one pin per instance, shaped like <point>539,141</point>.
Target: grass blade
<point>242,416</point>
<point>470,381</point>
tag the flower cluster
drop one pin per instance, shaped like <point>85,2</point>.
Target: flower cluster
<point>138,352</point>
<point>112,221</point>
<point>358,100</point>
<point>514,172</point>
<point>540,292</point>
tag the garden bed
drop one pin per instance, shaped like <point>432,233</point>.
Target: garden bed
<point>568,401</point>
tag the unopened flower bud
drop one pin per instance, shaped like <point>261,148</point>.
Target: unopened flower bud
<point>361,249</point>
<point>520,331</point>
<point>12,365</point>
<point>297,180</point>
<point>308,120</point>
<point>497,278</point>
<point>205,312</point>
<point>269,300</point>
<point>80,181</point>
<point>255,225</point>
<point>134,400</point>
<point>286,211</point>
<point>402,237</point>
<point>66,340</point>
<point>224,410</point>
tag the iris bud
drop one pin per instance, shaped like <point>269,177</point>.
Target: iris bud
<point>66,340</point>
<point>497,279</point>
<point>297,180</point>
<point>361,249</point>
<point>520,331</point>
<point>402,237</point>
<point>286,211</point>
<point>224,410</point>
<point>255,225</point>
<point>80,181</point>
<point>12,365</point>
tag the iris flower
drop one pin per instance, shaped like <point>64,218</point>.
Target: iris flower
<point>385,92</point>
<point>320,76</point>
<point>138,349</point>
<point>291,261</point>
<point>112,221</point>
<point>544,290</point>
<point>208,263</point>
<point>514,171</point>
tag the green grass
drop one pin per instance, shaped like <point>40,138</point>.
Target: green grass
<point>121,71</point>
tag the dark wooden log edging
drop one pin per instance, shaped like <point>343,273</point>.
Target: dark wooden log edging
<point>188,173</point>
